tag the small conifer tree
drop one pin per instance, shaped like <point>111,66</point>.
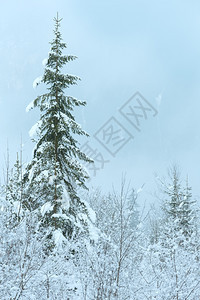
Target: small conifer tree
<point>179,211</point>
<point>14,190</point>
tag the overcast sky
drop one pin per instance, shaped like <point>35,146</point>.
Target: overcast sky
<point>123,47</point>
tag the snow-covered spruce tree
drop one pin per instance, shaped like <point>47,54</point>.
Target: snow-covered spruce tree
<point>170,264</point>
<point>55,172</point>
<point>13,191</point>
<point>179,210</point>
<point>188,212</point>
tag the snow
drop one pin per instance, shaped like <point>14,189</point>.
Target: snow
<point>51,179</point>
<point>58,237</point>
<point>65,199</point>
<point>181,204</point>
<point>46,208</point>
<point>44,62</point>
<point>140,189</point>
<point>60,216</point>
<point>30,175</point>
<point>45,173</point>
<point>94,232</point>
<point>37,81</point>
<point>30,106</point>
<point>34,129</point>
<point>91,212</point>
<point>140,225</point>
<point>83,217</point>
<point>16,206</point>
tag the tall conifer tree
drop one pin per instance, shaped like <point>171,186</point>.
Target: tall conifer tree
<point>56,170</point>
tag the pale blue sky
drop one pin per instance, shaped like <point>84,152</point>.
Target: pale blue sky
<point>123,47</point>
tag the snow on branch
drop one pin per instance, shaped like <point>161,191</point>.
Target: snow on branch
<point>37,81</point>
